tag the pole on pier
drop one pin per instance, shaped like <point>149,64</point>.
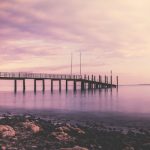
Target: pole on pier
<point>117,81</point>
<point>15,85</point>
<point>59,85</point>
<point>80,63</point>
<point>111,78</point>
<point>66,85</point>
<point>100,80</point>
<point>34,85</point>
<point>74,85</point>
<point>71,63</point>
<point>51,85</point>
<point>24,85</point>
<point>105,79</point>
<point>43,81</point>
<point>92,82</point>
<point>95,82</point>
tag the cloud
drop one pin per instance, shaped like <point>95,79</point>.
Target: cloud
<point>106,32</point>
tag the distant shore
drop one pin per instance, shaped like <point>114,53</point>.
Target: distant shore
<point>74,131</point>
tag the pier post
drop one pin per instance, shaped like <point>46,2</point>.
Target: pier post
<point>51,85</point>
<point>82,85</point>
<point>59,85</point>
<point>117,81</point>
<point>74,85</point>
<point>15,85</point>
<point>66,85</point>
<point>24,85</point>
<point>105,81</point>
<point>43,82</point>
<point>100,80</point>
<point>89,85</point>
<point>92,82</point>
<point>34,85</point>
<point>111,80</point>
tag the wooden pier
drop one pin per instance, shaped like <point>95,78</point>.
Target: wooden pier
<point>85,81</point>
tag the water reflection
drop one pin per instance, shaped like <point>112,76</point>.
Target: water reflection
<point>126,99</point>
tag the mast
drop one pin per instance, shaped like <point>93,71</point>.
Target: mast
<point>71,63</point>
<point>80,63</point>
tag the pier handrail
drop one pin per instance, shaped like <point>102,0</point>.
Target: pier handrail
<point>29,75</point>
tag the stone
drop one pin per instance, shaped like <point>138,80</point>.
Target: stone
<point>7,131</point>
<point>32,126</point>
<point>3,147</point>
<point>79,130</point>
<point>62,136</point>
<point>128,148</point>
<point>63,129</point>
<point>75,148</point>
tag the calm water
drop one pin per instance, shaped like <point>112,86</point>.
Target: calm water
<point>128,99</point>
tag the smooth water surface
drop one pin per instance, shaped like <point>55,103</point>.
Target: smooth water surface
<point>127,99</point>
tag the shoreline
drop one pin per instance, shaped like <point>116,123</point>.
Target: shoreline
<point>91,131</point>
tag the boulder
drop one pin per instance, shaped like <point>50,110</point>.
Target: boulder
<point>62,136</point>
<point>7,131</point>
<point>32,126</point>
<point>128,148</point>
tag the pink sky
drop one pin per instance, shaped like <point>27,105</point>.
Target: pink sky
<point>39,36</point>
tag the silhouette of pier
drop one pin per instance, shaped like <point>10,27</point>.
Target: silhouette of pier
<point>86,81</point>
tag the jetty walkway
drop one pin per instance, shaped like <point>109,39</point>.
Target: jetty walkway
<point>87,82</point>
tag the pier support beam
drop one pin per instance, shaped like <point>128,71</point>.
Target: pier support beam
<point>66,85</point>
<point>43,85</point>
<point>59,85</point>
<point>34,85</point>
<point>111,80</point>
<point>15,85</point>
<point>75,85</point>
<point>24,85</point>
<point>82,85</point>
<point>117,81</point>
<point>89,85</point>
<point>51,85</point>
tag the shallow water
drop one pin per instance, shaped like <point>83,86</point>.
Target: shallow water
<point>127,99</point>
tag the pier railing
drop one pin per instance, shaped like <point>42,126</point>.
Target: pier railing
<point>38,75</point>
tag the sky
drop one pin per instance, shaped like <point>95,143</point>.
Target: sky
<point>39,36</point>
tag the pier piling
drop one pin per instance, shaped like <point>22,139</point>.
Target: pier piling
<point>51,85</point>
<point>24,85</point>
<point>43,83</point>
<point>34,85</point>
<point>59,85</point>
<point>75,86</point>
<point>15,85</point>
<point>66,85</point>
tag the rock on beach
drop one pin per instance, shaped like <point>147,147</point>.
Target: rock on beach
<point>32,126</point>
<point>7,131</point>
<point>75,148</point>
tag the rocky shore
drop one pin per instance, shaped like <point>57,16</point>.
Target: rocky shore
<point>29,132</point>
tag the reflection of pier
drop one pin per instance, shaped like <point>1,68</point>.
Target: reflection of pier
<point>92,82</point>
